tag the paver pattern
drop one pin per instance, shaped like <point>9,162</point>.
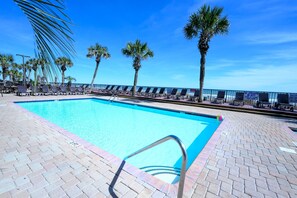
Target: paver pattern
<point>250,159</point>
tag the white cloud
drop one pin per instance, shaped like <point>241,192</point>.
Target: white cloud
<point>272,38</point>
<point>269,78</point>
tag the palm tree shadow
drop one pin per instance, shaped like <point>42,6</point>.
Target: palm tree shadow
<point>114,180</point>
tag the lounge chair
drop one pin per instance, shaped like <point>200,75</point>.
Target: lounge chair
<point>72,90</point>
<point>161,93</point>
<point>220,97</point>
<point>153,93</point>
<point>54,90</point>
<point>146,92</point>
<point>182,94</point>
<point>124,90</point>
<point>283,102</point>
<point>63,90</point>
<point>138,92</point>
<point>195,97</point>
<point>80,90</point>
<point>22,91</point>
<point>239,99</point>
<point>172,94</point>
<point>45,90</point>
<point>263,100</point>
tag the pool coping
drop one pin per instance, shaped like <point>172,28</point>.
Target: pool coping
<point>170,189</point>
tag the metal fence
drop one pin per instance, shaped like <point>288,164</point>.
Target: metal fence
<point>251,97</point>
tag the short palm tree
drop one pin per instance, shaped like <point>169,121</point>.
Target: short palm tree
<point>34,63</point>
<point>205,24</point>
<point>14,72</point>
<point>98,52</point>
<point>70,79</point>
<point>43,63</point>
<point>63,62</point>
<point>6,60</point>
<point>138,51</point>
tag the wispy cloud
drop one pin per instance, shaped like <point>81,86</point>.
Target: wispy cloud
<point>262,78</point>
<point>272,38</point>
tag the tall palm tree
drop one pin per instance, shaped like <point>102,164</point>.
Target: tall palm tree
<point>205,23</point>
<point>5,61</point>
<point>64,63</point>
<point>138,51</point>
<point>99,52</point>
<point>34,63</point>
<point>51,31</point>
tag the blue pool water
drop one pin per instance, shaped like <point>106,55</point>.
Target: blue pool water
<point>121,129</point>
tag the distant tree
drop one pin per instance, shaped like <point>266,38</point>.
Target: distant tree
<point>63,62</point>
<point>43,62</point>
<point>98,52</point>
<point>70,79</point>
<point>205,24</point>
<point>6,61</point>
<point>15,74</point>
<point>34,63</point>
<point>138,51</point>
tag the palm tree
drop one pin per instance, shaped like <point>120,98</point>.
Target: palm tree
<point>138,51</point>
<point>14,72</point>
<point>27,69</point>
<point>64,63</point>
<point>5,61</point>
<point>42,62</point>
<point>205,24</point>
<point>34,63</point>
<point>51,31</point>
<point>99,52</point>
<point>70,79</point>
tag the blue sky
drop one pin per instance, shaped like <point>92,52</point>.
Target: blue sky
<point>259,53</point>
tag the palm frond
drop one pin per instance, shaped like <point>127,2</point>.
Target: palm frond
<point>51,31</point>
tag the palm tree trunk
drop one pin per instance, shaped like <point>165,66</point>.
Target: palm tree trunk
<point>4,75</point>
<point>63,77</point>
<point>35,80</point>
<point>202,74</point>
<point>95,73</point>
<point>43,73</point>
<point>135,82</point>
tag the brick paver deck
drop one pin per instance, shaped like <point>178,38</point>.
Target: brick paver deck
<point>254,156</point>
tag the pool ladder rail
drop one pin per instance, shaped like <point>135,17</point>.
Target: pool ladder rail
<point>184,158</point>
<point>113,97</point>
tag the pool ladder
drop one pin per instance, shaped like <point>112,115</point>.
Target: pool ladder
<point>184,159</point>
<point>113,97</point>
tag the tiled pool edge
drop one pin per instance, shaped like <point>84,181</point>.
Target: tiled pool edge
<point>169,189</point>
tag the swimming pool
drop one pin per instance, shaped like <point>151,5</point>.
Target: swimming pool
<point>121,129</point>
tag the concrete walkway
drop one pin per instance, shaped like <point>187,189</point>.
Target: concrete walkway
<point>254,156</point>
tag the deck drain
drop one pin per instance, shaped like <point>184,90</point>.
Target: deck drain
<point>287,150</point>
<point>75,144</point>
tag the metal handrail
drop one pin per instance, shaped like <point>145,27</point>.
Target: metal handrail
<point>184,161</point>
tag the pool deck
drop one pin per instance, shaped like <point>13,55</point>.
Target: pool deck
<point>250,155</point>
